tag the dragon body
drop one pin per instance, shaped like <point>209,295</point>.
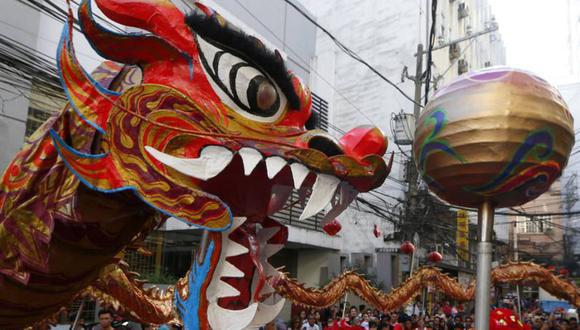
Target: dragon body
<point>194,120</point>
<point>198,121</point>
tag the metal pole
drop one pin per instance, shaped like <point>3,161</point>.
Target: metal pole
<point>344,305</point>
<point>411,263</point>
<point>484,250</point>
<point>516,259</point>
<point>78,316</point>
<point>203,246</point>
<point>418,81</point>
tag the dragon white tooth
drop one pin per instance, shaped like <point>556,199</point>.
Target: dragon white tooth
<point>235,249</point>
<point>272,249</point>
<point>267,289</point>
<point>322,192</point>
<point>250,158</point>
<point>211,162</point>
<point>266,233</point>
<point>238,221</point>
<point>299,173</point>
<point>269,270</point>
<point>346,195</point>
<point>280,195</point>
<point>266,313</point>
<point>274,165</point>
<point>227,319</point>
<point>229,270</point>
<point>226,290</point>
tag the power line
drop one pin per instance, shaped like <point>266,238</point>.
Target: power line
<point>351,53</point>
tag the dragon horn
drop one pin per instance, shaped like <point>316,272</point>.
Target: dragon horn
<point>160,17</point>
<point>128,48</point>
<point>88,98</point>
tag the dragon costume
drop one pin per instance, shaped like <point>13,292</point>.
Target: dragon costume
<point>195,120</point>
<point>198,121</point>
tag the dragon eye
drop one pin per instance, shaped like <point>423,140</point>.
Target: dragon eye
<point>241,86</point>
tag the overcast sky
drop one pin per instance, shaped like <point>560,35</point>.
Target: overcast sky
<point>535,34</point>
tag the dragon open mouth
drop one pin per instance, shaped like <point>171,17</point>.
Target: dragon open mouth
<point>264,183</point>
<point>239,291</point>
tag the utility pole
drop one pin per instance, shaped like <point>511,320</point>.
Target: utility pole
<point>412,174</point>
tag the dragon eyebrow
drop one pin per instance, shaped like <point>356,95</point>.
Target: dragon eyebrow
<point>216,29</point>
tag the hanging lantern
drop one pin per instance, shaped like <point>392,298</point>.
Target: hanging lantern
<point>564,272</point>
<point>377,232</point>
<point>435,257</point>
<point>332,227</point>
<point>407,247</point>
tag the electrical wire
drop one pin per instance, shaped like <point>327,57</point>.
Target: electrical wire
<point>351,53</point>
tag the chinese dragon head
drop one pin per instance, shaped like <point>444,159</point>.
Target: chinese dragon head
<point>200,122</point>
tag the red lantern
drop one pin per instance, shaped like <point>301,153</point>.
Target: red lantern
<point>434,257</point>
<point>332,227</point>
<point>564,271</point>
<point>377,232</point>
<point>504,319</point>
<point>407,247</point>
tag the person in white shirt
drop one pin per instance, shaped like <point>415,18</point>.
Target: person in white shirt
<point>311,324</point>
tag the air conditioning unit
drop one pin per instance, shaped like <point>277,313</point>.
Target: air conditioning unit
<point>468,30</point>
<point>462,10</point>
<point>462,66</point>
<point>454,52</point>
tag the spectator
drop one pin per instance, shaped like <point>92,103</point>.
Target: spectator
<point>310,324</point>
<point>303,317</point>
<point>105,320</point>
<point>353,312</point>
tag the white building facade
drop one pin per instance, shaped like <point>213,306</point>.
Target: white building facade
<point>386,34</point>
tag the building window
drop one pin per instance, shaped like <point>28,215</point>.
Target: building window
<point>320,107</point>
<point>36,117</point>
<point>534,225</point>
<point>462,67</point>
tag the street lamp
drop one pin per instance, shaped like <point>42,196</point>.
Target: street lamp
<point>494,138</point>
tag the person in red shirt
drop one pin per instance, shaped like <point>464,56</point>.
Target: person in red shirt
<point>447,309</point>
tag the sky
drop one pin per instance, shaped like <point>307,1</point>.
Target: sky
<point>535,34</point>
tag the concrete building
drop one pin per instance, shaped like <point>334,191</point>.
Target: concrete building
<point>540,238</point>
<point>386,34</point>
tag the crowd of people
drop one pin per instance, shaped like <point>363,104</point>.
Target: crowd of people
<point>445,316</point>
<point>108,320</point>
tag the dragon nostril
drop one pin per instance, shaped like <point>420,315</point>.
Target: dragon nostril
<point>326,145</point>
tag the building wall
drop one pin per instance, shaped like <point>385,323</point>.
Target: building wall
<point>483,51</point>
<point>385,34</point>
<point>19,23</point>
<point>546,246</point>
<point>41,33</point>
